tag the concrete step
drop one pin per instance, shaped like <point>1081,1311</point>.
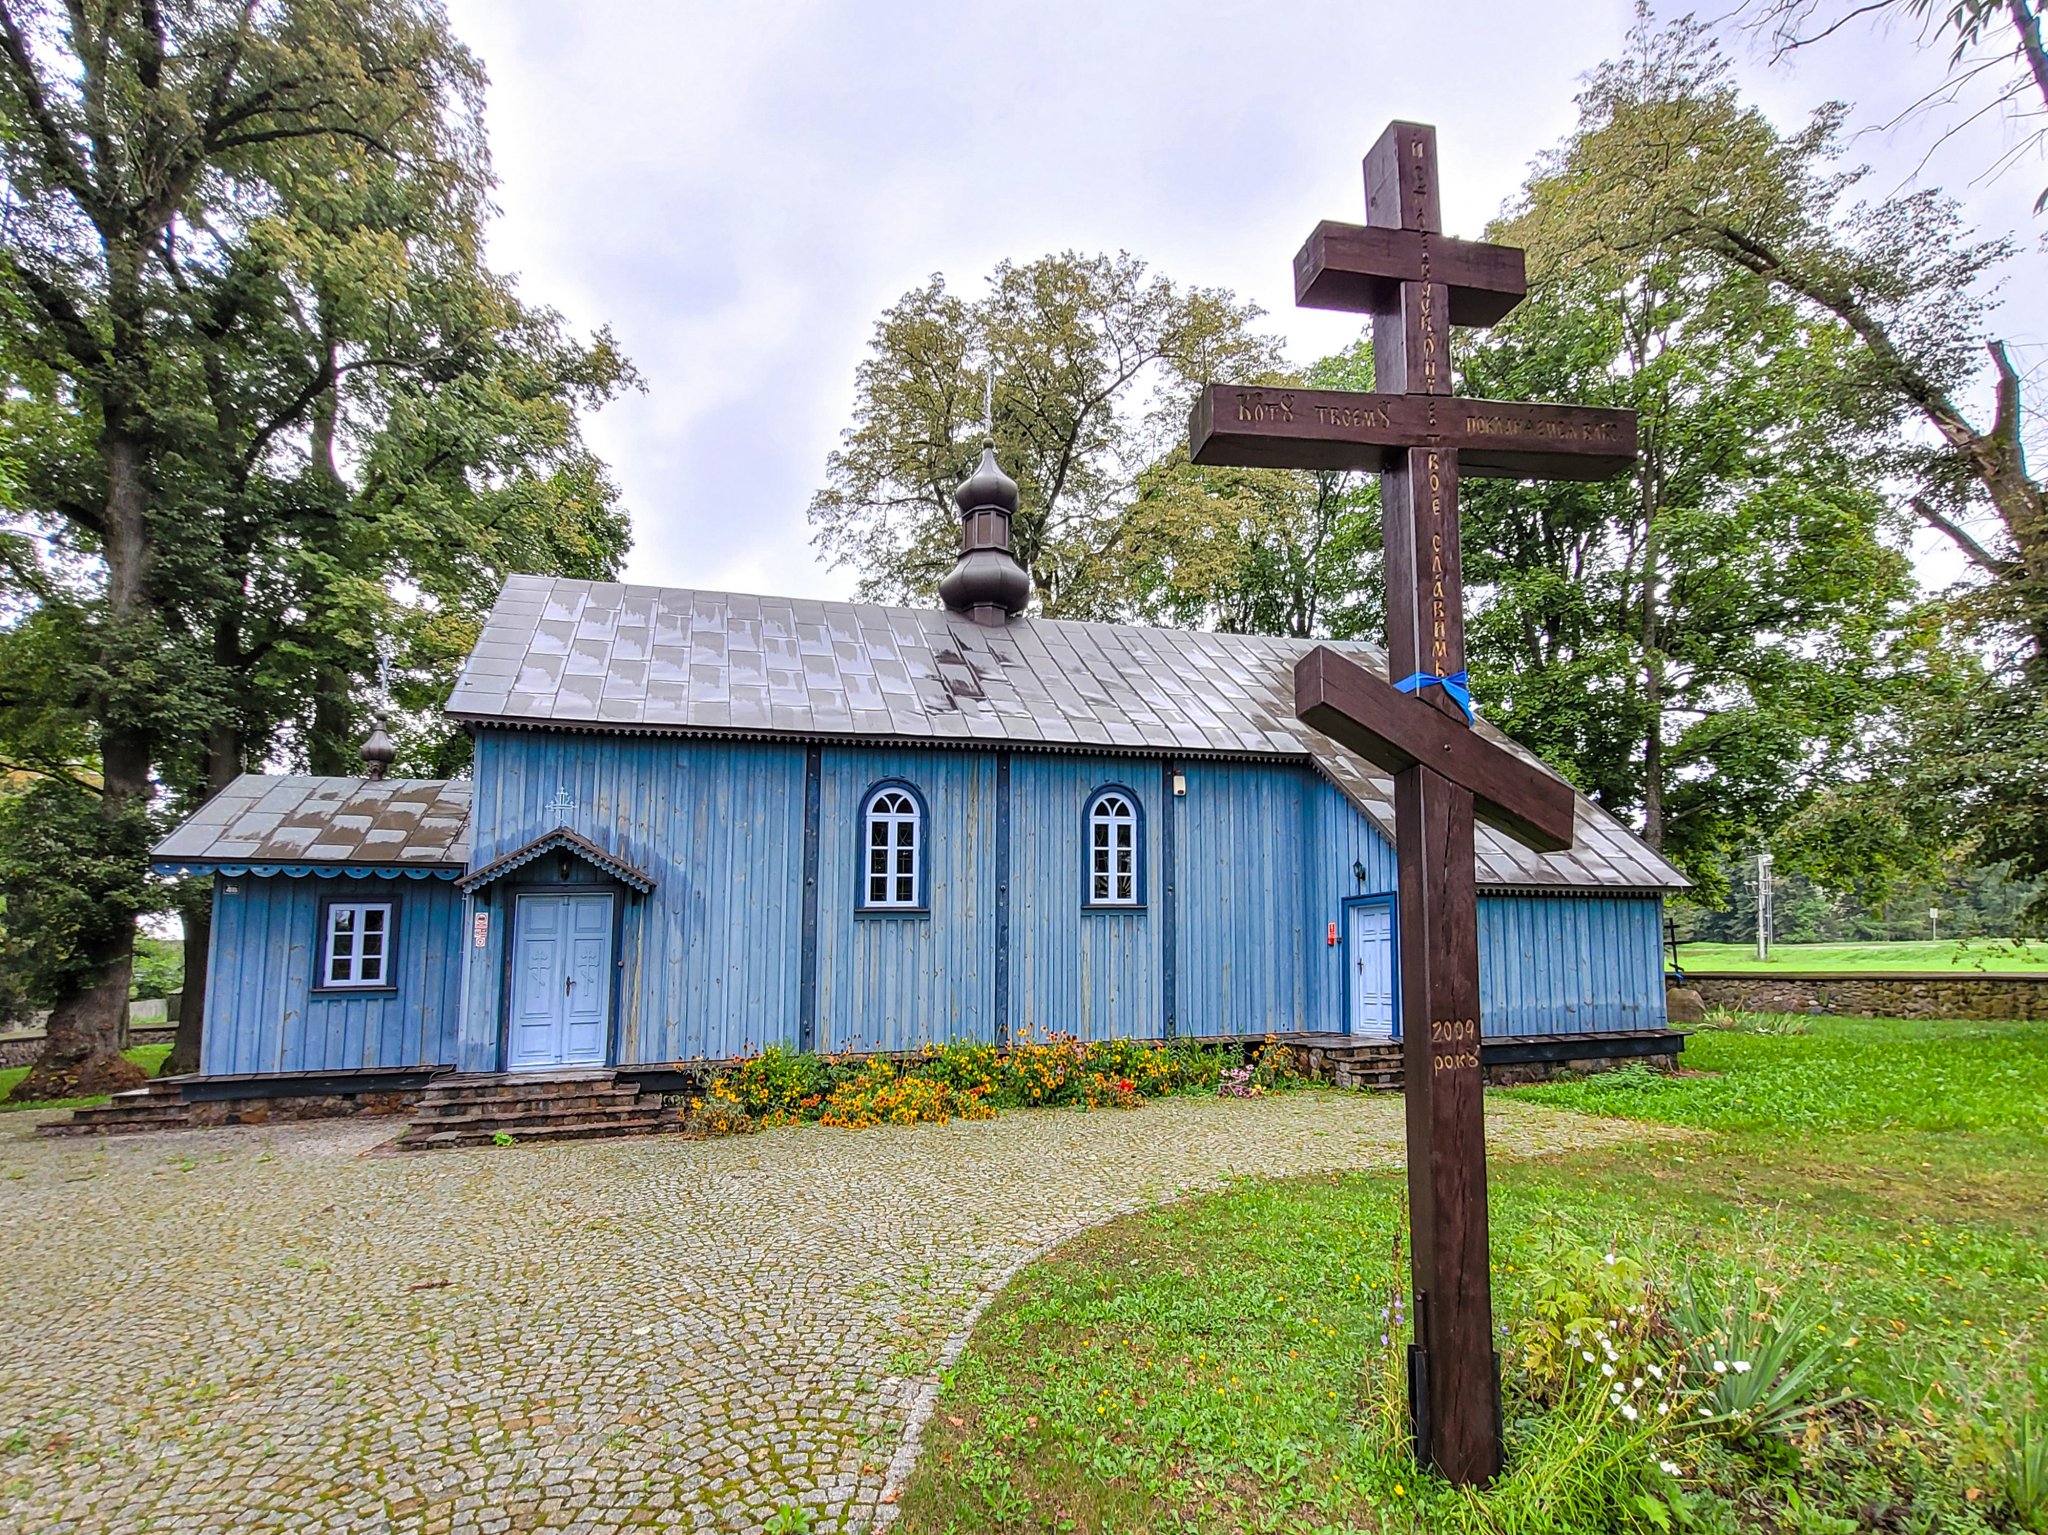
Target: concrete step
<point>538,1119</point>
<point>431,1107</point>
<point>434,1140</point>
<point>153,1106</point>
<point>499,1091</point>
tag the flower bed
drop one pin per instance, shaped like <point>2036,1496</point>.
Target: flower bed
<point>976,1081</point>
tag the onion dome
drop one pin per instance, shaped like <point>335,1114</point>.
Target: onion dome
<point>378,750</point>
<point>987,584</point>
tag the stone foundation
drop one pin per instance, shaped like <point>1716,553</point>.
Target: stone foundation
<point>1905,994</point>
<point>1574,1066</point>
<point>163,1105</point>
<point>1506,1061</point>
<point>281,1111</point>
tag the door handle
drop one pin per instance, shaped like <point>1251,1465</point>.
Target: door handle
<point>568,984</point>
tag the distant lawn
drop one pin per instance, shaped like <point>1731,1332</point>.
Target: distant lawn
<point>1218,1365</point>
<point>1965,956</point>
<point>150,1058</point>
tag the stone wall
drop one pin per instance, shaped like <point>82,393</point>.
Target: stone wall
<point>22,1049</point>
<point>1902,994</point>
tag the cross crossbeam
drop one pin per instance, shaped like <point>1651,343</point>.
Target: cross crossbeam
<point>1416,284</point>
<point>1396,731</point>
<point>1342,429</point>
<point>1360,268</point>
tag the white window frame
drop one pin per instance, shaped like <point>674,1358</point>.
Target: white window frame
<point>1113,827</point>
<point>892,826</point>
<point>351,971</point>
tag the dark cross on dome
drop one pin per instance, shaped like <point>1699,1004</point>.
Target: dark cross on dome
<point>1416,283</point>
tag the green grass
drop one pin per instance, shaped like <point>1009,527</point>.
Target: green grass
<point>1966,956</point>
<point>1217,1365</point>
<point>150,1058</point>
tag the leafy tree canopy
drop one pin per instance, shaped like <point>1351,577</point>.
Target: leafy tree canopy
<point>1094,360</point>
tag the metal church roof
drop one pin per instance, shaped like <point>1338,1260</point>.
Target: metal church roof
<point>603,656</point>
<point>277,823</point>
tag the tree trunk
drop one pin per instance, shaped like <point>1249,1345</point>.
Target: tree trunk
<point>332,749</point>
<point>1653,685</point>
<point>81,1055</point>
<point>189,1042</point>
<point>224,756</point>
<point>82,1048</point>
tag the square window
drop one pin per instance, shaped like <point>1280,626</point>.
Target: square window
<point>356,949</point>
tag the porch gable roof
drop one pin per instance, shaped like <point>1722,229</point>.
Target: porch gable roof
<point>560,840</point>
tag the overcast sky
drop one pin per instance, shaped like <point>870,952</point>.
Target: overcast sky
<point>738,190</point>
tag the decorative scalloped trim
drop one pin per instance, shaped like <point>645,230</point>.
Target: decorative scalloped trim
<point>302,870</point>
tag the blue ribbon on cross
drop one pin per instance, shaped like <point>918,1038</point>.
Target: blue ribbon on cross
<point>1457,684</point>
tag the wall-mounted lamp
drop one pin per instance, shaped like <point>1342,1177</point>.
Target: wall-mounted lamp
<point>1180,783</point>
<point>1358,870</point>
<point>562,867</point>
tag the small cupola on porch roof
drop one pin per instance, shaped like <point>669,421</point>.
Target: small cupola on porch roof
<point>570,845</point>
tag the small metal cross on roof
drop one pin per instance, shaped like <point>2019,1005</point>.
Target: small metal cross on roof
<point>1416,284</point>
<point>562,803</point>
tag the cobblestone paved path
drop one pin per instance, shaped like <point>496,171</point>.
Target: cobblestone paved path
<point>260,1330</point>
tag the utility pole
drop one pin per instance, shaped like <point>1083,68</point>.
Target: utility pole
<point>1763,906</point>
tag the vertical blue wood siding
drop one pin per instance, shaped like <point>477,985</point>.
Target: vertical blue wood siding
<point>1093,974</point>
<point>895,982</point>
<point>262,1012</point>
<point>1570,964</point>
<point>708,964</point>
<point>1243,929</point>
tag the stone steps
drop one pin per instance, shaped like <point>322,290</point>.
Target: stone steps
<point>480,1110</point>
<point>153,1106</point>
<point>415,1139</point>
<point>600,1102</point>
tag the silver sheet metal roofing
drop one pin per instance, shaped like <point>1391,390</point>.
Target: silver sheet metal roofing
<point>405,823</point>
<point>602,656</point>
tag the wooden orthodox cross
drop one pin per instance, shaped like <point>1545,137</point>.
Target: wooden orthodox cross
<point>1416,284</point>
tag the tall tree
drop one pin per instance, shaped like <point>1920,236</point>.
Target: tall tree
<point>1699,644</point>
<point>1696,170</point>
<point>1094,361</point>
<point>1994,46</point>
<point>1259,551</point>
<point>229,224</point>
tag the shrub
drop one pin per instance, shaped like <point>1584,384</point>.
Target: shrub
<point>2022,1474</point>
<point>972,1081</point>
<point>1237,1083</point>
<point>878,1095</point>
<point>717,1116</point>
<point>1762,1372</point>
<point>1592,1322</point>
<point>963,1067</point>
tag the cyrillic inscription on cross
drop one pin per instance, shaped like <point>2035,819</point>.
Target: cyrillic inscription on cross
<point>1416,284</point>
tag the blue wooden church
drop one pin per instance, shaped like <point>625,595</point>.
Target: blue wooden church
<point>702,823</point>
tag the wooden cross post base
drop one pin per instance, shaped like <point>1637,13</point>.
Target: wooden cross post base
<point>1416,284</point>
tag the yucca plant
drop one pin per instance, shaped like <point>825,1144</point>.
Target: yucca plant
<point>2022,1472</point>
<point>1759,1370</point>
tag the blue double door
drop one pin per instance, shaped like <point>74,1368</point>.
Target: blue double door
<point>561,980</point>
<point>1369,969</point>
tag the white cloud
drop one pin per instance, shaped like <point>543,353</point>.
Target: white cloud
<point>739,191</point>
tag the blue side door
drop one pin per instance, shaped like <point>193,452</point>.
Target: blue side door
<point>1369,966</point>
<point>561,980</point>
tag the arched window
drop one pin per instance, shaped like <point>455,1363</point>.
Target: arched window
<point>892,841</point>
<point>1113,846</point>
